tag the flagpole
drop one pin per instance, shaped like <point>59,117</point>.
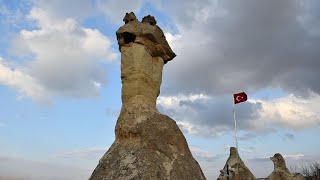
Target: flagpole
<point>235,131</point>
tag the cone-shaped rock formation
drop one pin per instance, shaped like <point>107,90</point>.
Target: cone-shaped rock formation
<point>281,171</point>
<point>148,145</point>
<point>230,170</point>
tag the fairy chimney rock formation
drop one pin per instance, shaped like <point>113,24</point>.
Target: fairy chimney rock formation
<point>148,144</point>
<point>230,170</point>
<point>144,51</point>
<point>281,172</point>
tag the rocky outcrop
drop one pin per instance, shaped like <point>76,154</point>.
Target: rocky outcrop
<point>148,144</point>
<point>281,172</point>
<point>235,169</point>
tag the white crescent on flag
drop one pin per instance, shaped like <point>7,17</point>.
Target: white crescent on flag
<point>238,98</point>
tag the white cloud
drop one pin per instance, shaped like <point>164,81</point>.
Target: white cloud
<point>290,111</point>
<point>232,48</point>
<point>72,8</point>
<point>64,58</point>
<point>63,36</point>
<point>25,84</point>
<point>200,114</point>
<point>204,155</point>
<point>210,163</point>
<point>116,9</point>
<point>195,129</point>
<point>172,38</point>
<point>293,156</point>
<point>173,101</point>
<point>175,107</point>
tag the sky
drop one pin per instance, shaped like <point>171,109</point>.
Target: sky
<point>60,86</point>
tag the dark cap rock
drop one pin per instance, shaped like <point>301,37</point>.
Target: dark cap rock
<point>146,33</point>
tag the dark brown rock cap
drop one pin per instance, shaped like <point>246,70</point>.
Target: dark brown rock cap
<point>146,33</point>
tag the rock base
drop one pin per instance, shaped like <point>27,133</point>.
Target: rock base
<point>155,149</point>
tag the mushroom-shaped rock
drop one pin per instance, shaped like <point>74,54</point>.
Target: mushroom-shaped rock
<point>230,170</point>
<point>148,144</point>
<point>281,172</point>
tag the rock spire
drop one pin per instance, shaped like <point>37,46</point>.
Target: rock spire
<point>230,170</point>
<point>281,172</point>
<point>148,144</point>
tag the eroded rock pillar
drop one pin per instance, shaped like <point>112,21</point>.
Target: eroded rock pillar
<point>148,144</point>
<point>281,172</point>
<point>141,75</point>
<point>235,169</point>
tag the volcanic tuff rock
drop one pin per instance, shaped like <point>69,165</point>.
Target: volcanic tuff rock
<point>146,33</point>
<point>148,144</point>
<point>281,171</point>
<point>232,164</point>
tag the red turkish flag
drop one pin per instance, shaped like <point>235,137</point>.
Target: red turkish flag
<point>240,97</point>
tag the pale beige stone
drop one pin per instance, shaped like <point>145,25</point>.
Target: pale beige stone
<point>281,172</point>
<point>148,145</point>
<point>237,169</point>
<point>141,74</point>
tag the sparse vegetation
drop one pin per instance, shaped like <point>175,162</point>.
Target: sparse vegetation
<point>309,171</point>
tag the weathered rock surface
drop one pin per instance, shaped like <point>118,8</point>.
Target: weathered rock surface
<point>146,33</point>
<point>281,172</point>
<point>232,166</point>
<point>148,145</point>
